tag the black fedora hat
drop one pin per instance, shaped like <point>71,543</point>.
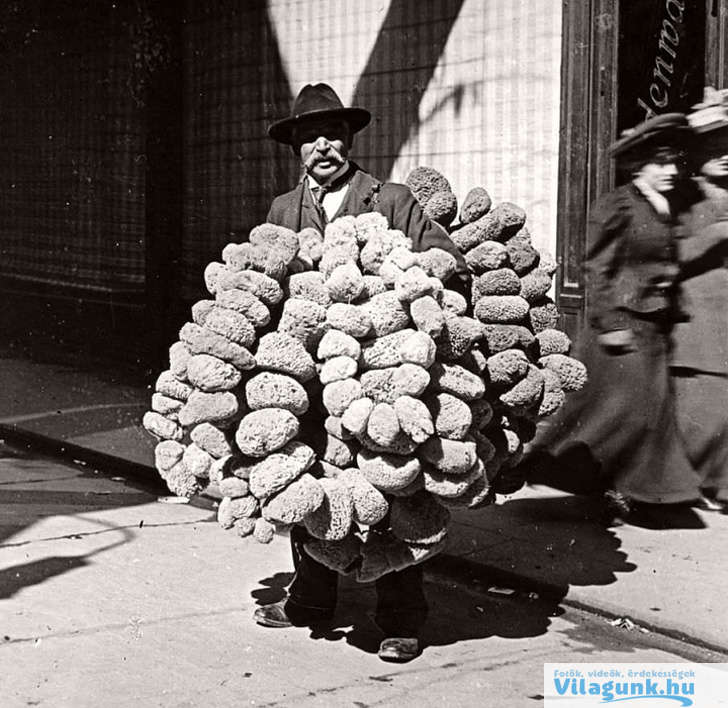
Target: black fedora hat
<point>667,129</point>
<point>318,102</point>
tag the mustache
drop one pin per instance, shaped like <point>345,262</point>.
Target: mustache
<point>331,154</point>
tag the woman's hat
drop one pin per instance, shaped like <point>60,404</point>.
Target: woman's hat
<point>709,121</point>
<point>666,130</point>
<point>320,102</point>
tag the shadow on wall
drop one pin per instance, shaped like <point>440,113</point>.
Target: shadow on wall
<point>403,56</point>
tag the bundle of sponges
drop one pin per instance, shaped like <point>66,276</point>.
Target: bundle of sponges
<point>522,357</point>
<point>365,330</point>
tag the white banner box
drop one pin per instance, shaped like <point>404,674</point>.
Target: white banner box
<point>643,685</point>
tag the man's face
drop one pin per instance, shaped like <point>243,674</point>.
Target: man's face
<point>716,168</point>
<point>660,176</point>
<point>323,146</point>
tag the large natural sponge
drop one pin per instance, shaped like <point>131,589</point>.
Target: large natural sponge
<point>477,203</point>
<point>442,207</point>
<point>450,486</point>
<point>386,385</point>
<point>337,343</point>
<point>204,407</point>
<point>386,313</point>
<point>507,367</point>
<point>246,256</point>
<point>387,472</point>
<point>303,320</point>
<point>488,255</point>
<point>345,283</point>
<point>450,456</point>
<point>211,439</point>
<point>501,309</point>
<point>342,556</point>
<point>200,340</point>
<point>437,263</point>
<point>208,373</point>
<point>543,315</point>
<point>424,182</point>
<point>571,372</point>
<point>309,285</point>
<point>279,469</point>
<point>384,351</point>
<point>383,425</point>
<point>264,431</point>
<point>370,505</point>
<point>246,304</point>
<point>349,319</point>
<point>332,520</point>
<point>455,379</point>
<point>414,418</point>
<point>283,353</point>
<point>451,416</point>
<point>162,427</point>
<point>501,281</point>
<point>338,395</point>
<point>272,390</point>
<point>265,288</point>
<point>500,223</point>
<point>277,239</point>
<point>552,341</point>
<point>295,502</point>
<point>419,519</point>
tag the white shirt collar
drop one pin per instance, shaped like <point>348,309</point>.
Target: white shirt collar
<point>657,199</point>
<point>312,183</point>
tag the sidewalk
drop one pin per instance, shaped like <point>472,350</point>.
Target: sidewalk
<point>669,580</point>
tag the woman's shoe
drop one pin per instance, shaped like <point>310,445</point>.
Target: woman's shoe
<point>617,507</point>
<point>708,504</point>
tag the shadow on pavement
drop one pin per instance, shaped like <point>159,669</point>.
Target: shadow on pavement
<point>511,588</point>
<point>35,488</point>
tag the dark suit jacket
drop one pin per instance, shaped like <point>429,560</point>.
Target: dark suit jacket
<point>631,262</point>
<point>296,210</point>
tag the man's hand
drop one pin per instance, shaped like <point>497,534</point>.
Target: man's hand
<point>619,341</point>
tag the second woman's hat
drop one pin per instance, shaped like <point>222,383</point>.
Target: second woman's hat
<point>709,121</point>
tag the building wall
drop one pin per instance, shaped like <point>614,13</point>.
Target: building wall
<point>470,87</point>
<point>71,177</point>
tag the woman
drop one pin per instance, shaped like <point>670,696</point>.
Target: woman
<point>621,428</point>
<point>700,361</point>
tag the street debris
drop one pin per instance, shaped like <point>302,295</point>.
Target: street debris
<point>628,624</point>
<point>173,500</point>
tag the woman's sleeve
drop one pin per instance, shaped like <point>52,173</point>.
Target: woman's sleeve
<point>605,242</point>
<point>703,248</point>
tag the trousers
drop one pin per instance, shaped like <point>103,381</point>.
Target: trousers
<point>401,605</point>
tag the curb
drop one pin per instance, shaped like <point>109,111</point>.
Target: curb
<point>469,572</point>
<point>73,453</point>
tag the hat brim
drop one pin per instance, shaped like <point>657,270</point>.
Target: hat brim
<point>282,130</point>
<point>709,145</point>
<point>629,145</point>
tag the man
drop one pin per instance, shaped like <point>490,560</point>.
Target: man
<point>320,131</point>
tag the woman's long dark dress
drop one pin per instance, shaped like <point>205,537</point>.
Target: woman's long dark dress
<point>700,360</point>
<point>621,428</point>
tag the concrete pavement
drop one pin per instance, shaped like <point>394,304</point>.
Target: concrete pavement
<point>110,597</point>
<point>668,579</point>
